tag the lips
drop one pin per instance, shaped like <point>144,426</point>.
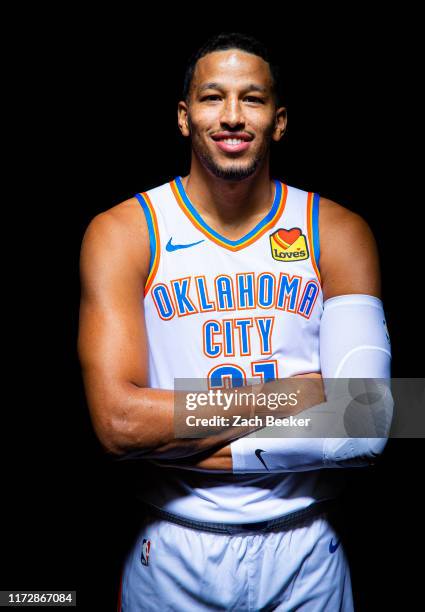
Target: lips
<point>238,135</point>
<point>232,148</point>
<point>232,142</point>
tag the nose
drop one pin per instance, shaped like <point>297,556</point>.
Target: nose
<point>232,115</point>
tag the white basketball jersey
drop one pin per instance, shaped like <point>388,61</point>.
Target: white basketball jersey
<point>231,310</point>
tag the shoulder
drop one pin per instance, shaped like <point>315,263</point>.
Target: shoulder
<point>119,233</point>
<point>337,220</point>
<point>343,231</point>
<point>349,261</point>
<point>125,219</point>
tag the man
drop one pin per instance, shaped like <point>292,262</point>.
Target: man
<point>228,263</point>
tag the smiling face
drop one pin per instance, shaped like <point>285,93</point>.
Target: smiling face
<point>231,115</point>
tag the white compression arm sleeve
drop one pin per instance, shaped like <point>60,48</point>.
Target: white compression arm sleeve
<point>354,343</point>
<point>354,340</point>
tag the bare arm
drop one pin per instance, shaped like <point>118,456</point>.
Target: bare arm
<point>349,261</point>
<point>349,264</point>
<point>128,415</point>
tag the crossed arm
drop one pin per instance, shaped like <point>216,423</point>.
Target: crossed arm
<point>128,415</point>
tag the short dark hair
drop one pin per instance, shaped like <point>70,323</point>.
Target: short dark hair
<point>234,40</point>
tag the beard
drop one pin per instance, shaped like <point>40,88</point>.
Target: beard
<point>235,172</point>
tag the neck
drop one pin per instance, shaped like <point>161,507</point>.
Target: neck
<point>229,203</point>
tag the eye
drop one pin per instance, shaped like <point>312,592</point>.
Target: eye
<point>211,96</point>
<point>254,99</point>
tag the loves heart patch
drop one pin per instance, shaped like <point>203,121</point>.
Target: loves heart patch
<point>289,244</point>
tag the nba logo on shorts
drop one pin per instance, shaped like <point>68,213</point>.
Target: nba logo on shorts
<point>146,546</point>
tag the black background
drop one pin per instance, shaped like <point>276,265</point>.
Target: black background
<point>101,100</point>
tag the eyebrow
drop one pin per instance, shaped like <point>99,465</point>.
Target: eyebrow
<point>250,87</point>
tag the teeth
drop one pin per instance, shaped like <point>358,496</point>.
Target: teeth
<point>232,141</point>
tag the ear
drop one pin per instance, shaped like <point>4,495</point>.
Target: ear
<point>182,118</point>
<point>281,120</point>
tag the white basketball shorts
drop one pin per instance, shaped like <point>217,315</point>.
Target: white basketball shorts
<point>171,567</point>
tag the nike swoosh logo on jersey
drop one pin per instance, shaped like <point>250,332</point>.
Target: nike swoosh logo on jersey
<point>333,547</point>
<point>174,247</point>
<point>258,455</point>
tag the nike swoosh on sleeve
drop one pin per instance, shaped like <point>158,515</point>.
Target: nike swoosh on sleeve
<point>258,452</point>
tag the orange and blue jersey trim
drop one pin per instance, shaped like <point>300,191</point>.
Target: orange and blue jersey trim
<point>313,230</point>
<point>274,214</point>
<point>154,242</point>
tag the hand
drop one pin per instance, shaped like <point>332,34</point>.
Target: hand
<point>218,461</point>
